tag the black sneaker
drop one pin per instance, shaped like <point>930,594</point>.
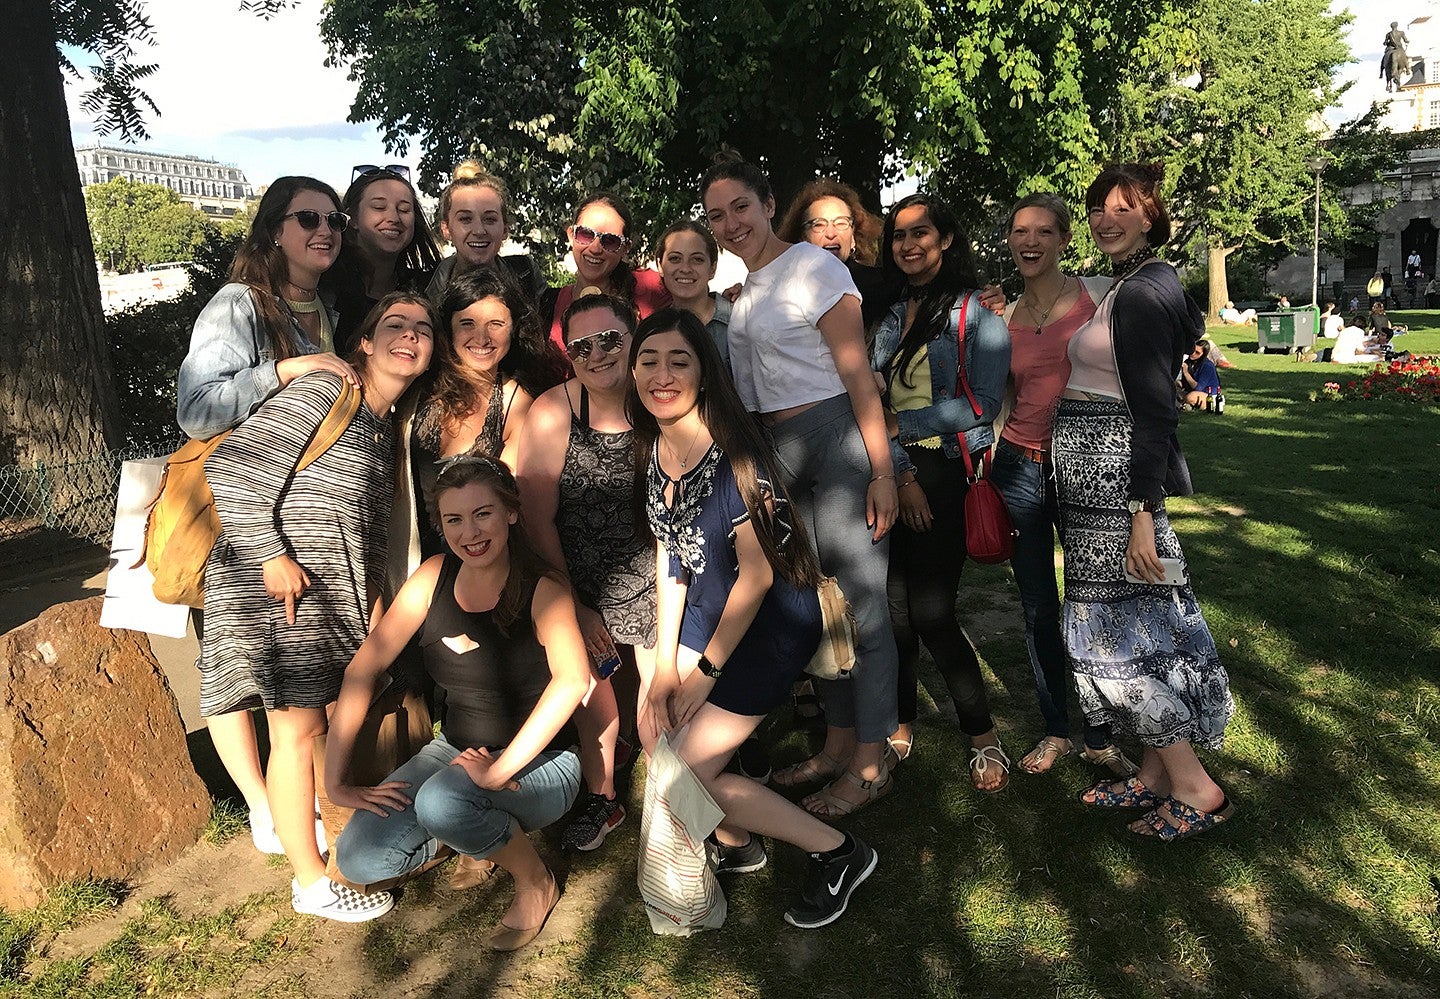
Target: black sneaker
<point>752,760</point>
<point>828,885</point>
<point>600,817</point>
<point>736,859</point>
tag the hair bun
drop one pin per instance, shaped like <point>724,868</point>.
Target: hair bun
<point>467,169</point>
<point>727,156</point>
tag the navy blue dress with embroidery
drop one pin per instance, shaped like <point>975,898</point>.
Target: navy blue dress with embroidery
<point>698,533</point>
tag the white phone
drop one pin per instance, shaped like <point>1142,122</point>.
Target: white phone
<point>1173,568</point>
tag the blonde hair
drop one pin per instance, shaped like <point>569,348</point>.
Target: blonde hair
<point>471,173</point>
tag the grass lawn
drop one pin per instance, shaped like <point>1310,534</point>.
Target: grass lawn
<point>1312,544</point>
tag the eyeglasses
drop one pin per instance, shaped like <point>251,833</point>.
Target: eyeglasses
<point>365,169</point>
<point>606,342</point>
<point>310,221</point>
<point>583,236</point>
<point>842,223</point>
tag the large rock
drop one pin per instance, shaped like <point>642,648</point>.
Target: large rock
<point>95,778</point>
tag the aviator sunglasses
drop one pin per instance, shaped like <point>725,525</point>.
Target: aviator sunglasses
<point>310,221</point>
<point>606,342</point>
<point>365,169</point>
<point>609,242</point>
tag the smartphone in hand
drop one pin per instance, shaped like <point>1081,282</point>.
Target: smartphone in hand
<point>1173,568</point>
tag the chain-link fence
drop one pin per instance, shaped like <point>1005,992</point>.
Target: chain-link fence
<point>53,512</point>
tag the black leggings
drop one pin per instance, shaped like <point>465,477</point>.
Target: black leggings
<point>923,584</point>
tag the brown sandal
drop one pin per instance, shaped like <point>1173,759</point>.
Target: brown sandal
<point>825,804</point>
<point>808,771</point>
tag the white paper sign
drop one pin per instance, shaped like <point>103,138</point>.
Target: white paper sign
<point>129,600</point>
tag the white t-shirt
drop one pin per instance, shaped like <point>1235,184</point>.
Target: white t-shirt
<point>1334,323</point>
<point>777,354</point>
<point>1350,347</point>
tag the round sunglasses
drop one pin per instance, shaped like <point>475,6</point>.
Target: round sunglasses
<point>606,342</point>
<point>583,236</point>
<point>310,220</point>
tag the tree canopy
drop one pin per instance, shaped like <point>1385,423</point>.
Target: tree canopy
<point>134,224</point>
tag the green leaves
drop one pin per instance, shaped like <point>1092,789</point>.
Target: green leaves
<point>137,224</point>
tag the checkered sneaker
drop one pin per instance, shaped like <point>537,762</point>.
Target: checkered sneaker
<point>339,902</point>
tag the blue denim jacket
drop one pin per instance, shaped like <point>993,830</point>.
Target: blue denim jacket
<point>230,369</point>
<point>987,365</point>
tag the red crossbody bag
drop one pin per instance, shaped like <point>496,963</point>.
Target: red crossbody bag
<point>989,531</point>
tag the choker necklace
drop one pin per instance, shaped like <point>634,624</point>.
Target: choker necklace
<point>1064,283</point>
<point>303,290</point>
<point>686,458</point>
<point>1124,266</point>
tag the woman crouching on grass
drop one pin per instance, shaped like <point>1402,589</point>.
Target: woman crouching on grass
<point>498,634</point>
<point>736,603</point>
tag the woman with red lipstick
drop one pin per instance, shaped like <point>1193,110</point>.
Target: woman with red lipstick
<point>298,571</point>
<point>474,216</point>
<point>1042,321</point>
<point>738,615</point>
<point>797,350</point>
<point>389,248</point>
<point>260,332</point>
<point>497,632</point>
<point>600,242</point>
<point>1143,657</point>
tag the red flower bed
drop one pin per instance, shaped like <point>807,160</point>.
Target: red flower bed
<point>1416,380</point>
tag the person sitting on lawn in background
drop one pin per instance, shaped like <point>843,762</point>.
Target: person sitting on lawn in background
<point>1352,346</point>
<point>1232,316</point>
<point>1200,382</point>
<point>1331,322</point>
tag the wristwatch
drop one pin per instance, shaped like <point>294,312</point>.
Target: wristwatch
<point>1136,505</point>
<point>709,668</point>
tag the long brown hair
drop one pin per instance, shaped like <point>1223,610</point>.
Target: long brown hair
<point>359,360</point>
<point>622,278</point>
<point>737,433</point>
<point>866,226</point>
<point>261,264</point>
<point>526,565</point>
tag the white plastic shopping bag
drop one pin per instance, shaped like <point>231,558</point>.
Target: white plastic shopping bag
<point>680,891</point>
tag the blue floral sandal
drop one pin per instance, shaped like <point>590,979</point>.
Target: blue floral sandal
<point>1127,793</point>
<point>1183,821</point>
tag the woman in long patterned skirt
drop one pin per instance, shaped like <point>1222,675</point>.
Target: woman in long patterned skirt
<point>1144,659</point>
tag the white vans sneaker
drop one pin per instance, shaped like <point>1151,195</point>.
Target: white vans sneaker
<point>336,901</point>
<point>266,840</point>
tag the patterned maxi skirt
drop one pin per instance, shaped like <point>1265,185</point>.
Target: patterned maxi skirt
<point>1143,657</point>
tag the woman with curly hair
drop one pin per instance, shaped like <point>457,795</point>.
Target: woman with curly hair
<point>828,213</point>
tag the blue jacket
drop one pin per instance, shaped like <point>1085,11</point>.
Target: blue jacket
<point>230,369</point>
<point>987,365</point>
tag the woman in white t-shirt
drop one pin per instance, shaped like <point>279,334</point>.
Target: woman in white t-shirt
<point>797,351</point>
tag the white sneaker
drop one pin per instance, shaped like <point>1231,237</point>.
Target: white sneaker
<point>336,901</point>
<point>266,840</point>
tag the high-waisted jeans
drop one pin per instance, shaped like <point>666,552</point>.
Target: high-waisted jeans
<point>827,473</point>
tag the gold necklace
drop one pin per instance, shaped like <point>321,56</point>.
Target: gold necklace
<point>684,461</point>
<point>1064,283</point>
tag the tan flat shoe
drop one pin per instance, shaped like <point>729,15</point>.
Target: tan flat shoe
<point>471,871</point>
<point>507,938</point>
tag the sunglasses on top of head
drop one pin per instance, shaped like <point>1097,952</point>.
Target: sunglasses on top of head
<point>310,221</point>
<point>583,236</point>
<point>604,342</point>
<point>366,169</point>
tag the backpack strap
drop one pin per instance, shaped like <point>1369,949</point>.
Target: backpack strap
<point>342,411</point>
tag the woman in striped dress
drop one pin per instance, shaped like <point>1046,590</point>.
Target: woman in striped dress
<point>295,574</point>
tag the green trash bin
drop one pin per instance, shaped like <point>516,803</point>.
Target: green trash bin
<point>1287,332</point>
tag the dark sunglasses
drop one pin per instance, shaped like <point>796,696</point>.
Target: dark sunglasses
<point>310,221</point>
<point>366,169</point>
<point>606,342</point>
<point>609,242</point>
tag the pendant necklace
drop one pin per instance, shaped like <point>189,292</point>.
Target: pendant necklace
<point>1064,283</point>
<point>684,461</point>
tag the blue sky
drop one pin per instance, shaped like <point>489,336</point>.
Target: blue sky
<point>257,94</point>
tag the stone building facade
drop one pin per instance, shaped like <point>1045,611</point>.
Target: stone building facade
<point>217,189</point>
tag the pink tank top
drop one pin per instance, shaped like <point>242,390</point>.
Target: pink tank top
<point>1092,354</point>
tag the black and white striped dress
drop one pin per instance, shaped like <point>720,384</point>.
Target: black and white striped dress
<point>330,518</point>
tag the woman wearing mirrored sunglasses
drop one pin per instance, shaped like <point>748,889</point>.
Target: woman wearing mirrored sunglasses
<point>474,216</point>
<point>260,332</point>
<point>600,240</point>
<point>577,480</point>
<point>388,249</point>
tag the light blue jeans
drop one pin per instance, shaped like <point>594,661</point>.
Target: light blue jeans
<point>448,808</point>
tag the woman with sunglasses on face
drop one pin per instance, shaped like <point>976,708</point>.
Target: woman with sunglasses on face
<point>496,628</point>
<point>474,216</point>
<point>1042,321</point>
<point>387,249</point>
<point>797,350</point>
<point>599,241</point>
<point>688,254</point>
<point>1144,659</point>
<point>931,416</point>
<point>259,333</point>
<point>297,573</point>
<point>738,613</point>
<point>490,364</point>
<point>577,480</point>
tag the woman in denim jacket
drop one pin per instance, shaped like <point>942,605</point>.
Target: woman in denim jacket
<point>915,358</point>
<point>259,333</point>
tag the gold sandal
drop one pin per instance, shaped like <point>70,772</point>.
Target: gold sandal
<point>808,771</point>
<point>1046,752</point>
<point>1112,758</point>
<point>825,804</point>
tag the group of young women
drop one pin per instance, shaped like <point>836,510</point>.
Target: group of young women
<point>629,483</point>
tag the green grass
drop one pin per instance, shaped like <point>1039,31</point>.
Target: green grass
<point>1312,546</point>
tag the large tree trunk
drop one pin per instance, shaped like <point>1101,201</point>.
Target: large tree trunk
<point>1219,283</point>
<point>57,399</point>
